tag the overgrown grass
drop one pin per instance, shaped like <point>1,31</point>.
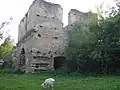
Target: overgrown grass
<point>32,82</point>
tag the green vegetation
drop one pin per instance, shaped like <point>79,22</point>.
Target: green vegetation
<point>6,47</point>
<point>93,49</point>
<point>32,82</point>
<point>96,47</point>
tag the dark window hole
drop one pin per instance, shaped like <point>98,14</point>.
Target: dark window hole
<point>39,35</point>
<point>37,65</point>
<point>55,28</point>
<point>49,52</point>
<point>55,37</point>
<point>44,53</point>
<point>31,51</point>
<point>55,52</point>
<point>38,52</point>
<point>34,57</point>
<point>59,62</point>
<point>38,15</point>
<point>41,26</point>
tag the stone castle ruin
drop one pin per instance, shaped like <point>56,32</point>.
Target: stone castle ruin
<point>42,39</point>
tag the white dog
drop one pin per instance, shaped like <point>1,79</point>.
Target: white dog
<point>48,83</point>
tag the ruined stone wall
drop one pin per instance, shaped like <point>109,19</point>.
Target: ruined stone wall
<point>43,21</point>
<point>46,21</point>
<point>42,11</point>
<point>42,35</point>
<point>76,16</point>
<point>22,29</point>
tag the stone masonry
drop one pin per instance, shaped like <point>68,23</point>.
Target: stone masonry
<point>42,39</point>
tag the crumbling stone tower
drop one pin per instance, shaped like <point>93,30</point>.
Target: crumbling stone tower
<point>40,39</point>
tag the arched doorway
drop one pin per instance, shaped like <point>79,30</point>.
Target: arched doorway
<point>59,62</point>
<point>22,57</point>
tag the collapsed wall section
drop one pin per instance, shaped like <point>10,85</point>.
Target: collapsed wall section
<point>75,16</point>
<point>80,18</point>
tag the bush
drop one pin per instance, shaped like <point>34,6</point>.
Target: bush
<point>61,71</point>
<point>10,71</point>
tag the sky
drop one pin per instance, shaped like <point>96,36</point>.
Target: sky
<point>18,8</point>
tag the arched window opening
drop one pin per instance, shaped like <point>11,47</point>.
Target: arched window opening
<point>22,56</point>
<point>38,52</point>
<point>23,51</point>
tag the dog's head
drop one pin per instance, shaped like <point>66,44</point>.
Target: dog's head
<point>42,85</point>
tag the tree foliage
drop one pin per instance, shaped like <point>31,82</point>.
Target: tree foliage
<point>6,49</point>
<point>7,46</point>
<point>96,47</point>
<point>3,24</point>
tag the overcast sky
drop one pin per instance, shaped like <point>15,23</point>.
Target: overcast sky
<point>18,8</point>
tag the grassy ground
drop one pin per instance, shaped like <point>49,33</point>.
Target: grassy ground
<point>32,82</point>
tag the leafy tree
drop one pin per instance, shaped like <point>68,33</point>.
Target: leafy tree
<point>6,49</point>
<point>78,48</point>
<point>3,24</point>
<point>96,47</point>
